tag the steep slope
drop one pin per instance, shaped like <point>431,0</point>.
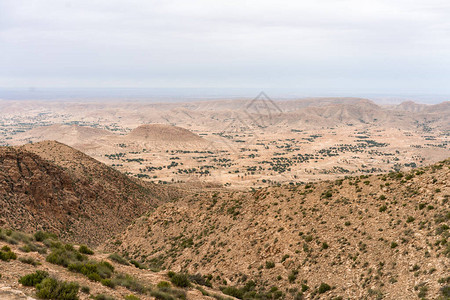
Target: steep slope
<point>59,189</point>
<point>366,237</point>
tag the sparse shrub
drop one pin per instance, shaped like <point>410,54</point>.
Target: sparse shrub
<point>33,278</point>
<point>180,280</point>
<point>199,279</point>
<point>383,208</point>
<point>270,264</point>
<point>131,297</point>
<point>445,291</point>
<point>423,290</point>
<point>108,282</point>
<point>118,259</point>
<point>93,270</point>
<point>292,276</point>
<point>29,260</point>
<point>160,295</point>
<point>394,245</point>
<point>64,257</point>
<point>129,282</point>
<point>232,291</point>
<point>40,236</point>
<point>85,250</point>
<point>21,237</point>
<point>323,288</point>
<point>103,297</point>
<point>163,285</point>
<point>138,264</point>
<point>155,263</point>
<point>6,254</point>
<point>328,194</point>
<point>410,219</point>
<point>30,247</point>
<point>308,238</point>
<point>416,267</point>
<point>51,288</point>
<point>86,289</point>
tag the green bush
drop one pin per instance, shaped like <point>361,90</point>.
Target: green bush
<point>232,291</point>
<point>51,288</point>
<point>132,297</point>
<point>180,280</point>
<point>118,259</point>
<point>41,236</point>
<point>6,254</point>
<point>33,278</point>
<point>410,219</point>
<point>85,250</point>
<point>85,289</point>
<point>108,282</point>
<point>270,264</point>
<point>323,288</point>
<point>93,270</point>
<point>64,257</point>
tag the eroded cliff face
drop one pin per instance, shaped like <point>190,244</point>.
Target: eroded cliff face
<point>88,204</point>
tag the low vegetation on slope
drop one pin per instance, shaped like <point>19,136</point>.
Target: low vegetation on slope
<point>380,236</point>
<point>83,272</point>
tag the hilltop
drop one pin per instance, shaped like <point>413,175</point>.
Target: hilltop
<point>75,135</point>
<point>163,133</point>
<point>51,186</point>
<point>370,236</point>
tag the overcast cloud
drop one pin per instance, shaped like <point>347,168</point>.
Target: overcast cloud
<point>371,46</point>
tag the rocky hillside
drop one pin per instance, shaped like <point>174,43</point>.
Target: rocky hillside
<point>53,187</point>
<point>367,237</point>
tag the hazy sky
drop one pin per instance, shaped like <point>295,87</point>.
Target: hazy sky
<point>395,46</point>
